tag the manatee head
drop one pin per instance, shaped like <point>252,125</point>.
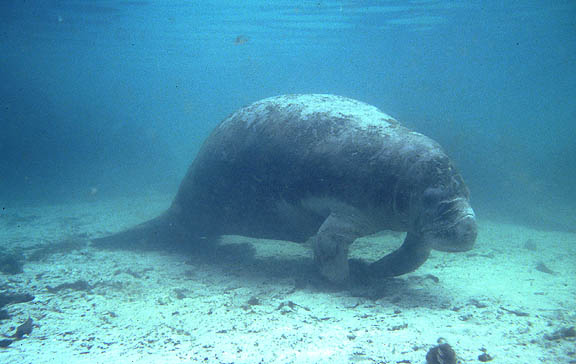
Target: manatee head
<point>445,219</point>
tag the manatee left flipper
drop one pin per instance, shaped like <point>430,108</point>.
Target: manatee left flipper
<point>407,258</point>
<point>332,241</point>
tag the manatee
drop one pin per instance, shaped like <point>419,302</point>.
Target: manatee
<point>319,168</point>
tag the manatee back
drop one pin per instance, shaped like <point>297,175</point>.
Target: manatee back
<point>309,111</point>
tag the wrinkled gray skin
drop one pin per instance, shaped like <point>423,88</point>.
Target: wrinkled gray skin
<point>318,167</point>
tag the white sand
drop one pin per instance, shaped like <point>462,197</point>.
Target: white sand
<point>153,307</point>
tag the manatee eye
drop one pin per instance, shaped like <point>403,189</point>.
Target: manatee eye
<point>432,196</point>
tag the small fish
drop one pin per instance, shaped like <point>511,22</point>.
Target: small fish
<point>241,39</point>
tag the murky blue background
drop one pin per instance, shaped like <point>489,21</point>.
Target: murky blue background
<point>103,98</point>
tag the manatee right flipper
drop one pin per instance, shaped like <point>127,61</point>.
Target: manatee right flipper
<point>163,232</point>
<point>332,241</point>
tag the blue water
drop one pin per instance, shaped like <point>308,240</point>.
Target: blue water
<point>117,96</point>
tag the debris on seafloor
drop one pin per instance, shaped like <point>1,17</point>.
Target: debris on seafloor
<point>484,357</point>
<point>442,354</point>
<point>289,306</point>
<point>12,298</point>
<point>515,312</point>
<point>79,285</point>
<point>544,269</point>
<point>24,329</point>
<point>562,333</point>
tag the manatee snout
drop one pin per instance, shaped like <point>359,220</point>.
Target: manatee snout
<point>459,237</point>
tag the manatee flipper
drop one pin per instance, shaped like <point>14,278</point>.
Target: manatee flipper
<point>407,258</point>
<point>332,241</point>
<point>163,232</point>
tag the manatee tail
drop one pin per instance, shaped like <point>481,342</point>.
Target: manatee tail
<point>161,233</point>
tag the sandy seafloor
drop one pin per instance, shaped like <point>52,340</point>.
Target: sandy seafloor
<point>260,301</point>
